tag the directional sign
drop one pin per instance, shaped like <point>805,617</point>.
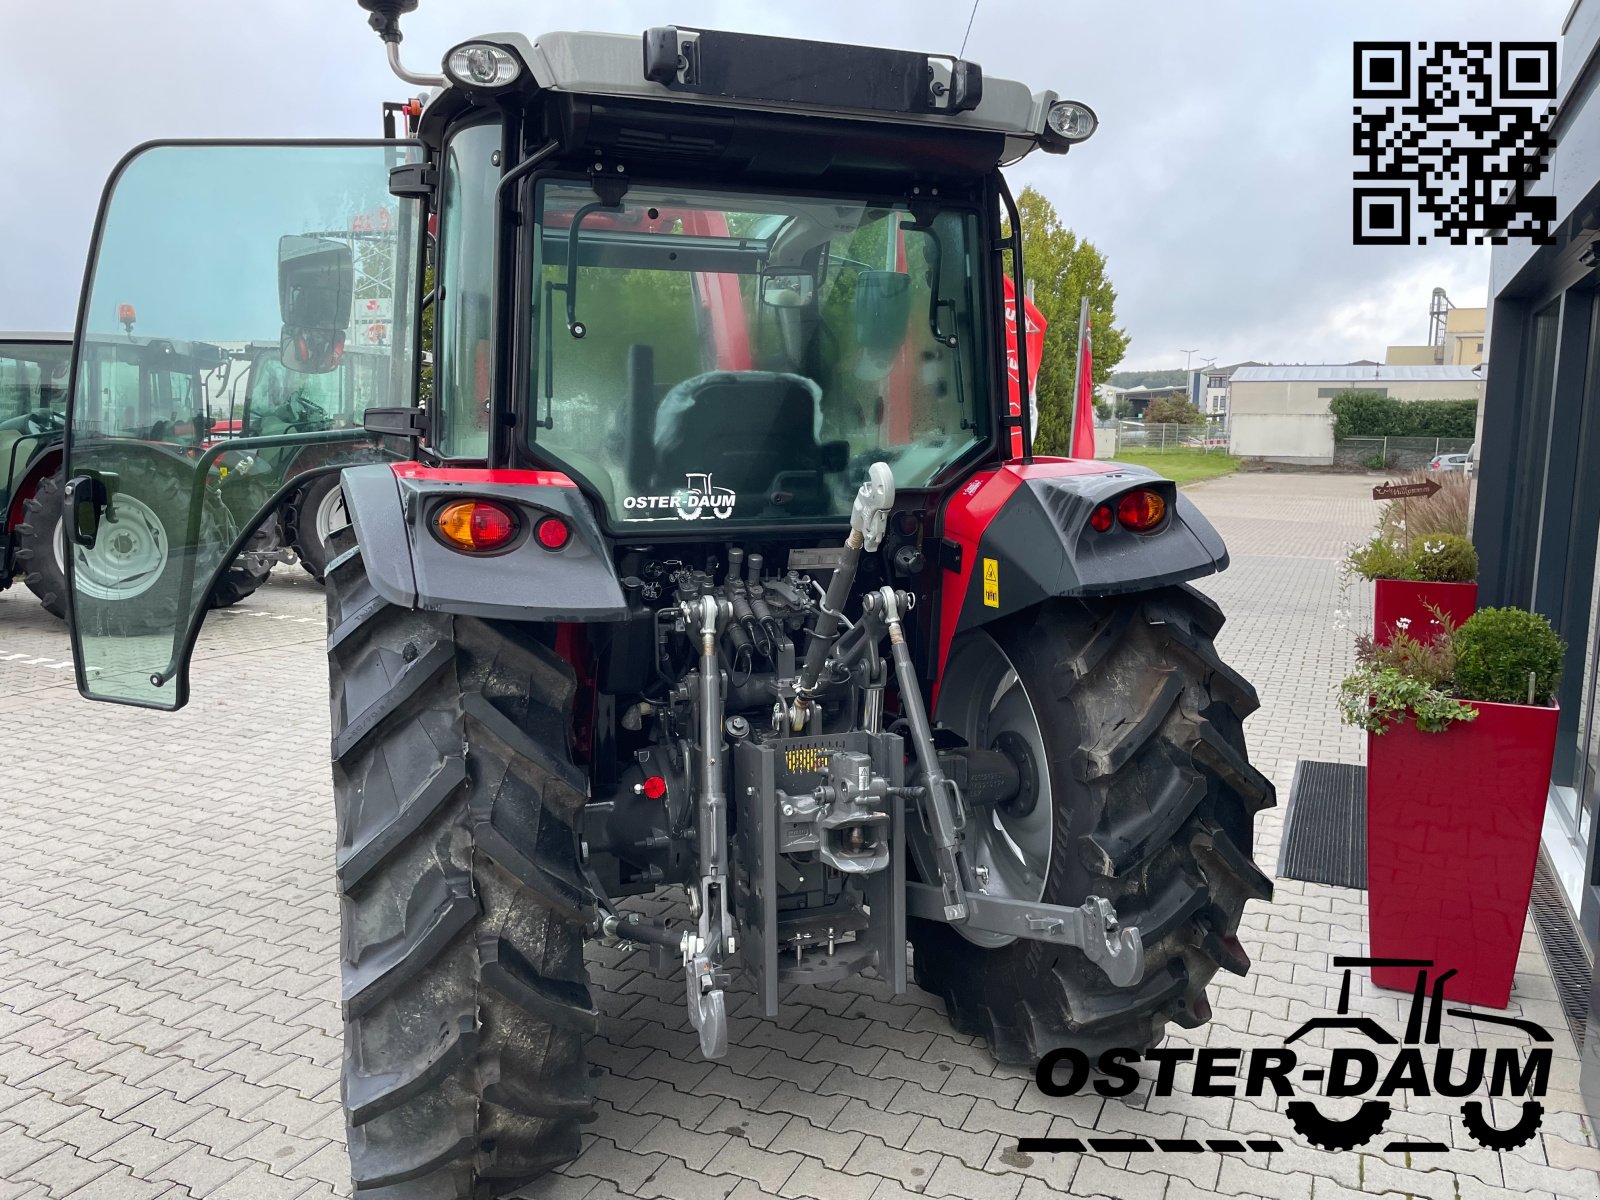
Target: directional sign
<point>1399,491</point>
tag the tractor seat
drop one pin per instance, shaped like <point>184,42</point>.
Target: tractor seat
<point>743,428</point>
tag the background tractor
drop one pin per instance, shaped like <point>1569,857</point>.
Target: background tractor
<point>148,387</point>
<point>708,565</point>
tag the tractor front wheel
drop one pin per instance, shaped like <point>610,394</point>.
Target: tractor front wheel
<point>465,997</point>
<point>1127,730</point>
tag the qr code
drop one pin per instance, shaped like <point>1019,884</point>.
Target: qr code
<point>1453,134</point>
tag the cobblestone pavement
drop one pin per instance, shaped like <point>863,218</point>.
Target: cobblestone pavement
<point>169,940</point>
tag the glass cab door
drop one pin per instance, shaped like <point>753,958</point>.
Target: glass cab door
<point>204,255</point>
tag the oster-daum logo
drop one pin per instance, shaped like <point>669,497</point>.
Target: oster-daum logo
<point>1372,1079</point>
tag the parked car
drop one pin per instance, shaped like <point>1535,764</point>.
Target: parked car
<point>1451,462</point>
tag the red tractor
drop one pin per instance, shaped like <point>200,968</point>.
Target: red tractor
<point>707,565</point>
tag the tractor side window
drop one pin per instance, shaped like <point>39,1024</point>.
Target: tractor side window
<point>466,276</point>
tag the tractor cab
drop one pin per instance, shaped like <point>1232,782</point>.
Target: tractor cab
<point>33,401</point>
<point>697,294</point>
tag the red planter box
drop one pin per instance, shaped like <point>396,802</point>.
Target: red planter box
<point>1398,599</point>
<point>1453,824</point>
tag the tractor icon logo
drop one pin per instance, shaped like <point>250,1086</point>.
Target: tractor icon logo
<point>1359,1081</point>
<point>1419,1065</point>
<point>699,494</point>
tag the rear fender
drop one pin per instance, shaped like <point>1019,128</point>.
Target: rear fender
<point>1020,534</point>
<point>390,505</point>
<point>42,467</point>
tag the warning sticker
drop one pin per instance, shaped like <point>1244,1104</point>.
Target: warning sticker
<point>991,583</point>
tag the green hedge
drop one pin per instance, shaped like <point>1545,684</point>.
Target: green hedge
<point>1368,414</point>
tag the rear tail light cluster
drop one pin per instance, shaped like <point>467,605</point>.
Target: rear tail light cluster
<point>1141,510</point>
<point>485,527</point>
<point>476,526</point>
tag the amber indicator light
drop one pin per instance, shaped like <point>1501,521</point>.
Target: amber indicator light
<point>1141,510</point>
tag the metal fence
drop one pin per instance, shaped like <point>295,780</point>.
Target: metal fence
<point>1209,438</point>
<point>1396,453</point>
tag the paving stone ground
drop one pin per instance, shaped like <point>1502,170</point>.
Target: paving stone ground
<point>169,1023</point>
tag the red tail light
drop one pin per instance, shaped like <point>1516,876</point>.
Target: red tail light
<point>552,533</point>
<point>475,526</point>
<point>1102,519</point>
<point>1141,510</point>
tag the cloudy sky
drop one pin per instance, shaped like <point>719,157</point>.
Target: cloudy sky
<point>1218,186</point>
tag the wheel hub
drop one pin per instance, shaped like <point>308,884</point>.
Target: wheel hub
<point>128,556</point>
<point>1006,846</point>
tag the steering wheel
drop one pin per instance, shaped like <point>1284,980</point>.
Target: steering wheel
<point>44,422</point>
<point>300,414</point>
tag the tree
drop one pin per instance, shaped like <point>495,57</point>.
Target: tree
<point>1173,410</point>
<point>1063,269</point>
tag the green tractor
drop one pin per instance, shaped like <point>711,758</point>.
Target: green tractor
<point>715,564</point>
<point>152,388</point>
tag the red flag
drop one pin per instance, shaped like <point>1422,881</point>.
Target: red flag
<point>1035,334</point>
<point>1083,405</point>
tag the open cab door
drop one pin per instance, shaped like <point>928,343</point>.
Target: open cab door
<point>201,251</point>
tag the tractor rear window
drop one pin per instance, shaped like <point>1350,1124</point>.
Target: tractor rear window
<point>746,356</point>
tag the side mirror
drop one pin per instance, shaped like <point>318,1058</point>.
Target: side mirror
<point>316,282</point>
<point>787,291</point>
<point>311,351</point>
<point>883,309</point>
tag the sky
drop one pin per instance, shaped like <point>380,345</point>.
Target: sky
<point>1217,186</point>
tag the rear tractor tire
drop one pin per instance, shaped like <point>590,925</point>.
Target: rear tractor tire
<point>465,997</point>
<point>313,518</point>
<point>1132,727</point>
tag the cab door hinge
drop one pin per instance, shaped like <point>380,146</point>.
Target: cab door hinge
<point>950,555</point>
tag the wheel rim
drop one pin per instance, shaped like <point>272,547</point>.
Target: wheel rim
<point>1006,847</point>
<point>129,554</point>
<point>331,515</point>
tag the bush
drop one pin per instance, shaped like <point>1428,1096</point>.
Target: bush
<point>1444,558</point>
<point>1443,512</point>
<point>1432,663</point>
<point>1370,414</point>
<point>1497,648</point>
<point>1375,462</point>
<point>1173,410</point>
<point>1381,559</point>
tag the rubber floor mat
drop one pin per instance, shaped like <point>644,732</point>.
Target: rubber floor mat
<point>1325,825</point>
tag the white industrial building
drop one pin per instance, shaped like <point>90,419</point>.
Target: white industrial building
<point>1280,414</point>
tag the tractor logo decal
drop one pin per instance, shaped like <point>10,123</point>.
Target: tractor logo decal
<point>1356,1085</point>
<point>697,498</point>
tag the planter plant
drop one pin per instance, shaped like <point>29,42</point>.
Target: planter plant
<point>1461,733</point>
<point>1435,573</point>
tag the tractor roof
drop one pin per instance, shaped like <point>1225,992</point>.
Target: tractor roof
<point>785,76</point>
<point>9,338</point>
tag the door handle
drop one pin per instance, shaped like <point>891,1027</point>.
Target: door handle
<point>86,499</point>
